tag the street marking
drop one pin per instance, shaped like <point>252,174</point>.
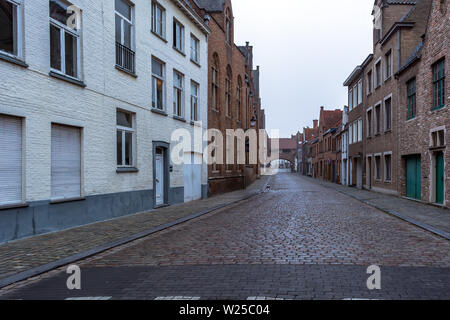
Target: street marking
<point>265,299</point>
<point>177,298</point>
<point>89,298</point>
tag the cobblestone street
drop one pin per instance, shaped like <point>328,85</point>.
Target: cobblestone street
<point>299,240</point>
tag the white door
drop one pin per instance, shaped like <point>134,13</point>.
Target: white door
<point>159,178</point>
<point>66,162</point>
<point>10,160</point>
<point>192,176</point>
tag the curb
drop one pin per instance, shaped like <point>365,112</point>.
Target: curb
<point>414,222</point>
<point>21,276</point>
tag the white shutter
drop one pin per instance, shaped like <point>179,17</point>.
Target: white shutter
<point>10,160</point>
<point>66,162</point>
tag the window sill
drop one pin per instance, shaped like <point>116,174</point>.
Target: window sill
<point>438,108</point>
<point>196,63</point>
<point>127,170</point>
<point>175,117</point>
<point>67,79</point>
<point>57,201</point>
<point>13,60</point>
<point>128,72</point>
<point>196,124</point>
<point>179,51</point>
<point>158,111</point>
<point>387,131</point>
<point>411,119</point>
<point>14,206</point>
<point>159,36</point>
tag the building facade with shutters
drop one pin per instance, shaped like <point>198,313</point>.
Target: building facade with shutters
<point>91,94</point>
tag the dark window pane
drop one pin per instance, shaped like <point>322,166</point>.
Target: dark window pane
<point>159,93</point>
<point>127,34</point>
<point>119,148</point>
<point>128,148</point>
<point>55,47</point>
<point>7,23</point>
<point>157,68</point>
<point>123,8</point>
<point>71,55</point>
<point>124,119</point>
<point>58,11</point>
<point>118,29</point>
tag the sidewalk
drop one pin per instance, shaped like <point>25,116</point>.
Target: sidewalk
<point>433,219</point>
<point>25,258</point>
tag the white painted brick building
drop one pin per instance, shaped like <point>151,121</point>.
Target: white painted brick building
<point>35,97</point>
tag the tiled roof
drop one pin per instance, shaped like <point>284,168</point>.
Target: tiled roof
<point>210,5</point>
<point>311,133</point>
<point>331,118</point>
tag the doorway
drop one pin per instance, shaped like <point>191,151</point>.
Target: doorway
<point>192,176</point>
<point>439,177</point>
<point>161,178</point>
<point>413,177</point>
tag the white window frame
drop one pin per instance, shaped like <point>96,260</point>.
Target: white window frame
<point>154,86</point>
<point>375,156</point>
<point>369,87</point>
<point>62,40</point>
<point>181,40</point>
<point>385,167</point>
<point>360,92</point>
<point>157,6</point>
<point>195,49</point>
<point>350,99</point>
<point>350,130</point>
<point>125,130</point>
<point>376,85</point>
<point>195,101</point>
<point>369,131</point>
<point>18,32</point>
<point>380,104</point>
<point>360,130</point>
<point>131,22</point>
<point>384,112</point>
<point>386,75</point>
<point>355,96</point>
<point>177,89</point>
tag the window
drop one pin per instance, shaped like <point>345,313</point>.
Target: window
<point>369,123</point>
<point>10,160</point>
<point>411,93</point>
<point>228,93</point>
<point>388,114</point>
<point>355,96</point>
<point>239,99</point>
<point>178,36</point>
<point>157,84</point>
<point>228,25</point>
<point>125,139</point>
<point>125,36</point>
<point>360,92</point>
<point>439,85</point>
<point>355,132</point>
<point>378,119</point>
<point>350,99</point>
<point>11,27</point>
<point>178,94</point>
<point>195,49</point>
<point>438,139</point>
<point>387,167</point>
<point>65,162</point>
<point>378,167</point>
<point>369,82</point>
<point>360,130</point>
<point>388,59</point>
<point>158,20</point>
<point>351,133</point>
<point>378,74</point>
<point>215,85</point>
<point>64,41</point>
<point>194,101</point>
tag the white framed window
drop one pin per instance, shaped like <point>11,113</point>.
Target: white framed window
<point>378,167</point>
<point>355,96</point>
<point>369,122</point>
<point>178,35</point>
<point>124,16</point>
<point>10,160</point>
<point>360,130</point>
<point>355,132</point>
<point>195,49</point>
<point>378,118</point>
<point>125,139</point>
<point>350,99</point>
<point>369,82</point>
<point>388,114</point>
<point>388,167</point>
<point>388,65</point>
<point>178,94</point>
<point>378,74</point>
<point>158,19</point>
<point>11,28</point>
<point>64,41</point>
<point>360,92</point>
<point>158,83</point>
<point>194,101</point>
<point>350,131</point>
<point>66,162</point>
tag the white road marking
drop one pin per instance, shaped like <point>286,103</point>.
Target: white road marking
<point>89,298</point>
<point>178,298</point>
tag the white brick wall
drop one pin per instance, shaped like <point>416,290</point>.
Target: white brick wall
<point>31,93</point>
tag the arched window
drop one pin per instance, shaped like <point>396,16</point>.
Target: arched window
<point>228,25</point>
<point>215,82</point>
<point>239,99</point>
<point>228,91</point>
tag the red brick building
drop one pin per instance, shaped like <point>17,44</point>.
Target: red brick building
<point>233,101</point>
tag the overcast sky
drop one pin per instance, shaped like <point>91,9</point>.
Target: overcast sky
<point>306,49</point>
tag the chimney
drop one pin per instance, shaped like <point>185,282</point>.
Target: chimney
<point>316,124</point>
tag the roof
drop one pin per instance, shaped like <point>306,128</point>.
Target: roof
<point>358,70</point>
<point>311,133</point>
<point>211,5</point>
<point>331,118</point>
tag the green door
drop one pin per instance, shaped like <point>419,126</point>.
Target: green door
<point>440,178</point>
<point>413,179</point>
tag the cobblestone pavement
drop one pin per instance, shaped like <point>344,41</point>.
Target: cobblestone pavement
<point>301,240</point>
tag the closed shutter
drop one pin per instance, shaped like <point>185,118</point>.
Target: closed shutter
<point>10,160</point>
<point>66,162</point>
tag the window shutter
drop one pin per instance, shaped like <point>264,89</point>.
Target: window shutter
<point>66,162</point>
<point>10,160</point>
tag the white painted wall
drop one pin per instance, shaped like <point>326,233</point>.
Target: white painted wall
<point>40,99</point>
